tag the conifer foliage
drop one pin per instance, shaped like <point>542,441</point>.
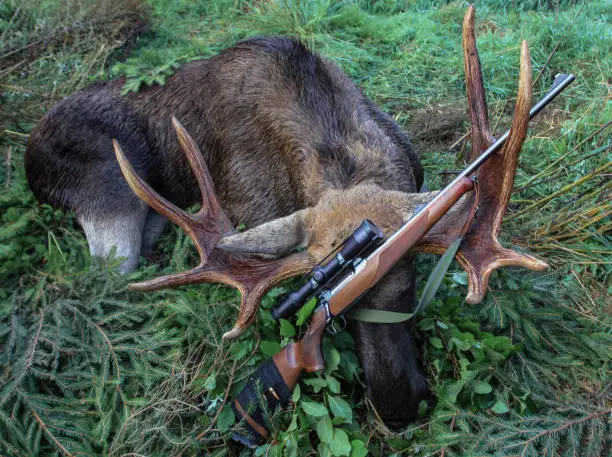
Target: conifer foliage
<point>90,368</point>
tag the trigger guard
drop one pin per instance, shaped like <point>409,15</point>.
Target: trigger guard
<point>331,328</point>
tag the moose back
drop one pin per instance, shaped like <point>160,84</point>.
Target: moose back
<point>296,152</point>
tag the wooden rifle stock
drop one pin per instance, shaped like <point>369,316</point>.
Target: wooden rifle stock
<point>275,380</point>
<point>280,374</point>
<point>304,355</point>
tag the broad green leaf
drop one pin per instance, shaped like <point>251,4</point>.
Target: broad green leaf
<point>349,365</point>
<point>482,387</point>
<point>291,446</point>
<point>261,450</point>
<point>422,410</point>
<point>453,389</point>
<point>324,450</point>
<point>332,384</point>
<point>464,364</point>
<point>210,383</point>
<point>461,344</point>
<point>293,425</point>
<point>460,278</point>
<point>240,350</point>
<point>226,419</point>
<point>286,329</point>
<point>340,444</point>
<point>340,408</point>
<point>305,311</point>
<point>499,407</point>
<point>358,449</point>
<point>325,429</point>
<point>437,364</point>
<point>276,450</point>
<point>436,342</point>
<point>270,348</point>
<point>314,409</point>
<point>295,396</point>
<point>442,325</point>
<point>276,292</point>
<point>343,341</point>
<point>332,360</point>
<point>316,383</point>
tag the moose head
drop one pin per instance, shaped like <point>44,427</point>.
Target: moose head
<point>259,258</point>
<point>235,259</point>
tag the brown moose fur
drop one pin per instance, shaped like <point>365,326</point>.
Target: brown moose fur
<point>281,130</point>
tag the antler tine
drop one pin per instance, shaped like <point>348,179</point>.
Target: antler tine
<point>197,275</point>
<point>518,131</point>
<point>481,136</point>
<point>210,203</point>
<point>252,277</point>
<point>205,227</point>
<point>259,278</point>
<point>146,192</point>
<point>496,180</point>
<point>482,253</point>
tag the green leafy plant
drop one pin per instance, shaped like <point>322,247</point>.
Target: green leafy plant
<point>149,69</point>
<point>90,368</point>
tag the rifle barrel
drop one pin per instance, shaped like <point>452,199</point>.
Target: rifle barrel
<point>560,83</point>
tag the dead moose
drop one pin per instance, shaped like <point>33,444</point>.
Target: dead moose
<point>297,153</point>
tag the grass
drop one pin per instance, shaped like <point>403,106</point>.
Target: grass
<point>89,368</point>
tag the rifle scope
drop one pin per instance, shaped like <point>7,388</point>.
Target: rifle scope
<point>365,237</point>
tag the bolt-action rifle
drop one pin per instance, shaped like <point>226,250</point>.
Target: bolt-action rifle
<point>357,266</point>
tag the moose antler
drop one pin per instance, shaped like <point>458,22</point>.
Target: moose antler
<point>252,277</point>
<point>481,253</point>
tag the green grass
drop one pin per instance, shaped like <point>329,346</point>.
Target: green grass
<point>90,368</point>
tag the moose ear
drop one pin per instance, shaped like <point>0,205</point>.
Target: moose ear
<point>272,239</point>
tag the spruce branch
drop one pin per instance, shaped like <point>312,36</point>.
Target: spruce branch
<point>29,360</point>
<point>104,337</point>
<point>50,435</point>
<point>531,441</point>
<point>216,416</point>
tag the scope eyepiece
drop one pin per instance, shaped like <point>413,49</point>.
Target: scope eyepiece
<point>366,236</point>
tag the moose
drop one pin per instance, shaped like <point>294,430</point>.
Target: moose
<point>280,140</point>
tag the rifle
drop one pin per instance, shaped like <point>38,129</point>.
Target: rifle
<point>359,264</point>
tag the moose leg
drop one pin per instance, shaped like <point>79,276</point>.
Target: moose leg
<point>123,232</point>
<point>153,228</point>
<point>388,352</point>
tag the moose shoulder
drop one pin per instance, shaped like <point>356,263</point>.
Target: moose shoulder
<point>278,127</point>
<point>294,149</point>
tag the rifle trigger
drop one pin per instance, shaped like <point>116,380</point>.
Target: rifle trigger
<point>331,327</point>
